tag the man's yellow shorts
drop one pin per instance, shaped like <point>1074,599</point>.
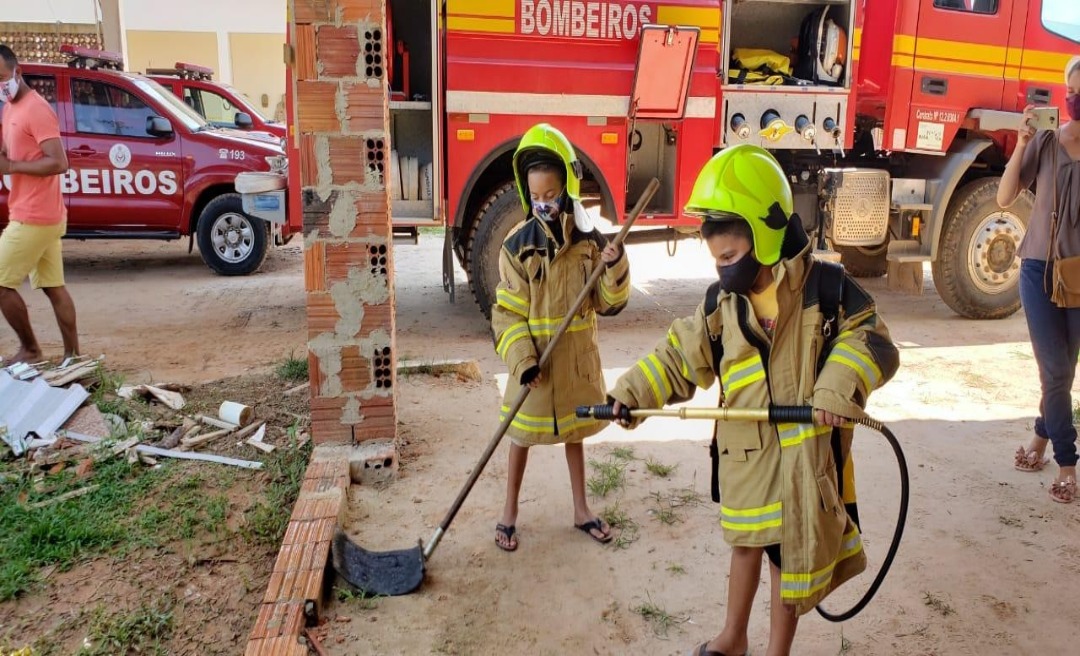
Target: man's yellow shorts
<point>32,250</point>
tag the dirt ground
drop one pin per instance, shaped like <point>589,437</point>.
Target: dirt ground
<point>988,563</point>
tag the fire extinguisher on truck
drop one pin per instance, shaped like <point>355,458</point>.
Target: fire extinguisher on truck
<point>894,119</point>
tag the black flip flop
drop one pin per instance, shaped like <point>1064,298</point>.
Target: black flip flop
<point>703,650</point>
<point>595,525</point>
<point>508,532</point>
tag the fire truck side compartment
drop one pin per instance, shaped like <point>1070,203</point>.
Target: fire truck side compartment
<point>413,121</point>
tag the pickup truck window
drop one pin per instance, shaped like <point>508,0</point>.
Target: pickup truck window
<point>248,103</point>
<point>102,108</point>
<point>1062,17</point>
<point>176,107</point>
<point>215,108</point>
<point>974,6</point>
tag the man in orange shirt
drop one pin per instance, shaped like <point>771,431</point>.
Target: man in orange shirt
<point>32,158</point>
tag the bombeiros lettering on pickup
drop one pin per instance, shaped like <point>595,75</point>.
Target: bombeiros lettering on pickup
<point>118,182</point>
<point>578,19</point>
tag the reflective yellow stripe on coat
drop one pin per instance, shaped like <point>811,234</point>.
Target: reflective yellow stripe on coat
<point>744,373</point>
<point>800,586</point>
<point>752,519</point>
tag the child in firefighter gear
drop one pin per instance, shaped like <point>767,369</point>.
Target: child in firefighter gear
<point>543,266</point>
<point>762,331</point>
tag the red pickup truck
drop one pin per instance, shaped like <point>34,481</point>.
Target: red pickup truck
<point>146,166</point>
<point>221,105</point>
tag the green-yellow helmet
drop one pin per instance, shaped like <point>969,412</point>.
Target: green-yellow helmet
<point>746,181</point>
<point>545,143</point>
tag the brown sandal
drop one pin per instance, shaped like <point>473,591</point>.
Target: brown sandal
<point>1028,460</point>
<point>1063,491</point>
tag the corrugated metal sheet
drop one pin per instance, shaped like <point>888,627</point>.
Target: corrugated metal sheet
<point>36,407</point>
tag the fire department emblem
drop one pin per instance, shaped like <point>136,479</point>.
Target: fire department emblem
<point>120,156</point>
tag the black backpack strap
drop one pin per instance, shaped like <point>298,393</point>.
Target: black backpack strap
<point>828,278</point>
<point>712,302</point>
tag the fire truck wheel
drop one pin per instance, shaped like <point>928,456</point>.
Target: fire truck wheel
<point>977,272</point>
<point>863,262</point>
<point>500,212</point>
<point>231,242</point>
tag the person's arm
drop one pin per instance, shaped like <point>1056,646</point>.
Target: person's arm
<point>52,162</point>
<point>1023,165</point>
<point>510,321</point>
<point>679,365</point>
<point>612,294</point>
<point>862,359</point>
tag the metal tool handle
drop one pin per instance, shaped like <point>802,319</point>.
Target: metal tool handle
<point>776,414</point>
<point>646,196</point>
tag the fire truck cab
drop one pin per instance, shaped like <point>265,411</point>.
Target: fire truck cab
<point>893,118</point>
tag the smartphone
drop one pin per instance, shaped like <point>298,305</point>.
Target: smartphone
<point>1046,118</point>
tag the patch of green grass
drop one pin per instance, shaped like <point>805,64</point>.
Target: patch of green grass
<point>266,520</point>
<point>845,644</point>
<point>659,469</point>
<point>293,369</point>
<point>662,621</point>
<point>625,538</point>
<point>609,476</point>
<point>624,453</point>
<point>67,532</point>
<point>349,595</point>
<point>938,604</point>
<point>139,631</point>
<point>676,568</point>
<point>616,517</point>
<point>1076,413</point>
<point>665,511</point>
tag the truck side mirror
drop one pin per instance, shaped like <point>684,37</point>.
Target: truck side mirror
<point>158,126</point>
<point>243,121</point>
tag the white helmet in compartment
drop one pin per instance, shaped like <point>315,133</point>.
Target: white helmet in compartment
<point>832,49</point>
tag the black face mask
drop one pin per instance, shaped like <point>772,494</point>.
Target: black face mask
<point>738,278</point>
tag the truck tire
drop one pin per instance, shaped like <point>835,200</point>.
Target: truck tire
<point>977,272</point>
<point>863,262</point>
<point>231,242</point>
<point>497,216</point>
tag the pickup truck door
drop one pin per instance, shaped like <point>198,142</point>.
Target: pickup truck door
<point>49,87</point>
<point>959,55</point>
<point>123,180</point>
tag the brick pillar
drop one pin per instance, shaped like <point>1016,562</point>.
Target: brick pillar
<point>343,126</point>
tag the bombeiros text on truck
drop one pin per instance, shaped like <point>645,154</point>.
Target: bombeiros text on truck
<point>894,118</point>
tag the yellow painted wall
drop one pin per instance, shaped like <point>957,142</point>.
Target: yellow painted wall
<point>258,68</point>
<point>163,49</point>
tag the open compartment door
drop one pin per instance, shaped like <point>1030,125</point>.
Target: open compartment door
<point>662,77</point>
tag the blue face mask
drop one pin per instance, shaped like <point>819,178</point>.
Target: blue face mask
<point>547,210</point>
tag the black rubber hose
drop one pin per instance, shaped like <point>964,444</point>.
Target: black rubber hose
<point>898,534</point>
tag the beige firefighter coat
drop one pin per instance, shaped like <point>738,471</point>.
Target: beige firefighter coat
<point>779,485</point>
<point>539,284</point>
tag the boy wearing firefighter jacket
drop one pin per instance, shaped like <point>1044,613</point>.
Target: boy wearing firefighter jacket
<point>543,266</point>
<point>787,490</point>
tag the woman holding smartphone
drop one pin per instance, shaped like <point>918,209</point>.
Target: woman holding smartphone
<point>1039,157</point>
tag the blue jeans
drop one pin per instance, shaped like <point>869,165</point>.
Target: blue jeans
<point>1055,339</point>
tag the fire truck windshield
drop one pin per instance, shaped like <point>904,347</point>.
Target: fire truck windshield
<point>176,108</point>
<point>1062,17</point>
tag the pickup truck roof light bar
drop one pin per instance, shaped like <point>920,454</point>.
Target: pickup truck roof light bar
<point>184,71</point>
<point>92,59</point>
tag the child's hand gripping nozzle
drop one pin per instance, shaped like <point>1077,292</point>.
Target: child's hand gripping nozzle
<point>782,415</point>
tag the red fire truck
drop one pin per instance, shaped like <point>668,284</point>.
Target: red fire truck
<point>894,118</point>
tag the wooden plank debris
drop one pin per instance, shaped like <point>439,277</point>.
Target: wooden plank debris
<point>82,491</point>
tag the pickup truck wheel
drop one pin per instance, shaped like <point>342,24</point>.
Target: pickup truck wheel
<point>863,262</point>
<point>977,271</point>
<point>231,242</point>
<point>498,215</point>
